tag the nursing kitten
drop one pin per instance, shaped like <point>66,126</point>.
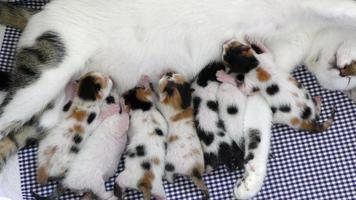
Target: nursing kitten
<point>62,144</point>
<point>218,147</point>
<point>184,153</point>
<point>145,160</point>
<point>290,103</point>
<point>100,155</point>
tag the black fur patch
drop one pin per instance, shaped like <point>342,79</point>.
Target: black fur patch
<point>140,150</point>
<point>249,157</point>
<point>213,105</point>
<point>273,109</point>
<point>255,89</point>
<point>31,142</point>
<point>221,134</point>
<point>209,73</point>
<point>299,85</point>
<point>91,117</point>
<point>255,138</point>
<point>238,62</point>
<point>77,139</point>
<point>169,167</point>
<point>285,108</point>
<point>196,102</point>
<point>5,80</point>
<point>117,190</point>
<point>211,159</point>
<point>225,153</point>
<point>185,92</point>
<point>110,100</point>
<point>74,149</point>
<point>196,173</point>
<point>238,155</point>
<point>88,89</point>
<point>272,89</point>
<point>240,77</point>
<point>221,124</point>
<point>307,96</point>
<point>134,103</point>
<point>165,146</point>
<point>159,132</point>
<point>232,110</point>
<point>146,165</point>
<point>306,113</point>
<point>67,106</point>
<point>131,154</point>
<point>205,137</point>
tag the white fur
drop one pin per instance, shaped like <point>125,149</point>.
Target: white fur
<point>258,116</point>
<point>99,157</point>
<point>229,95</point>
<point>142,132</point>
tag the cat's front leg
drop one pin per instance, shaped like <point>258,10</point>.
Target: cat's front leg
<point>257,130</point>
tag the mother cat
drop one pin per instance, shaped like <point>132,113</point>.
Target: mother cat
<point>129,38</point>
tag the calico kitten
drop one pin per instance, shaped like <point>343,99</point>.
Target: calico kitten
<point>218,147</point>
<point>184,153</point>
<point>61,145</point>
<point>290,102</point>
<point>145,160</point>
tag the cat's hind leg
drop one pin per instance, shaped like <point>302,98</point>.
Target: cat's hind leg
<point>257,143</point>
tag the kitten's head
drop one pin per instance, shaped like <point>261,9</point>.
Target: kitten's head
<point>138,98</point>
<point>94,86</point>
<point>239,58</point>
<point>175,90</point>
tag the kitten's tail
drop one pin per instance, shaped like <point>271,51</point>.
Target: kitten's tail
<point>316,127</point>
<point>15,15</point>
<point>197,178</point>
<point>58,192</point>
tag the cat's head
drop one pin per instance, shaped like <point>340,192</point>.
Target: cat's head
<point>94,86</point>
<point>239,58</point>
<point>138,98</point>
<point>175,90</point>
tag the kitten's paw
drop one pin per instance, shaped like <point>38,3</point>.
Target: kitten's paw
<point>250,184</point>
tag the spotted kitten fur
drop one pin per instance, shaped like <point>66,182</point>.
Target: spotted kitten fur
<point>218,147</point>
<point>290,102</point>
<point>57,150</point>
<point>145,160</point>
<point>184,152</point>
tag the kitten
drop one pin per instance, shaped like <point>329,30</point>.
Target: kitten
<point>145,160</point>
<point>62,144</point>
<point>184,153</point>
<point>290,103</point>
<point>218,147</point>
<point>100,155</point>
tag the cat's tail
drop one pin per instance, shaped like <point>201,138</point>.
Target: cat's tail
<point>58,192</point>
<point>15,15</point>
<point>316,127</point>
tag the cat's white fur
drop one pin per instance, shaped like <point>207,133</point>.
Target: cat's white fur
<point>129,38</point>
<point>142,132</point>
<point>99,157</point>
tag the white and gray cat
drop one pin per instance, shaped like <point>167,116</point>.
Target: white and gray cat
<point>130,38</point>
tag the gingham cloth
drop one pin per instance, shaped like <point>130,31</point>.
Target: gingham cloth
<point>303,166</point>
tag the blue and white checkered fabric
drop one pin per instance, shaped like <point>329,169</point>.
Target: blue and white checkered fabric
<point>303,166</point>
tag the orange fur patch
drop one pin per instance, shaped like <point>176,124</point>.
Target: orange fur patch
<point>295,121</point>
<point>7,146</point>
<point>79,115</point>
<point>156,160</point>
<point>143,94</point>
<point>145,184</point>
<point>175,100</point>
<point>179,79</point>
<point>50,151</point>
<point>187,113</point>
<point>173,138</point>
<point>42,175</point>
<point>263,75</point>
<point>78,129</point>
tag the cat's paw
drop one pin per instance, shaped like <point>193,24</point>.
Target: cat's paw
<point>251,183</point>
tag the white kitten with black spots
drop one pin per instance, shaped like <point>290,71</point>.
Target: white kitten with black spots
<point>184,152</point>
<point>145,160</point>
<point>62,144</point>
<point>218,147</point>
<point>290,103</point>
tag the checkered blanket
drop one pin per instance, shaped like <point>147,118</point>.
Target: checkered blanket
<point>303,166</point>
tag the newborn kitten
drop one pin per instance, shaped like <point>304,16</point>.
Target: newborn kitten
<point>144,163</point>
<point>62,144</point>
<point>289,101</point>
<point>218,147</point>
<point>184,153</point>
